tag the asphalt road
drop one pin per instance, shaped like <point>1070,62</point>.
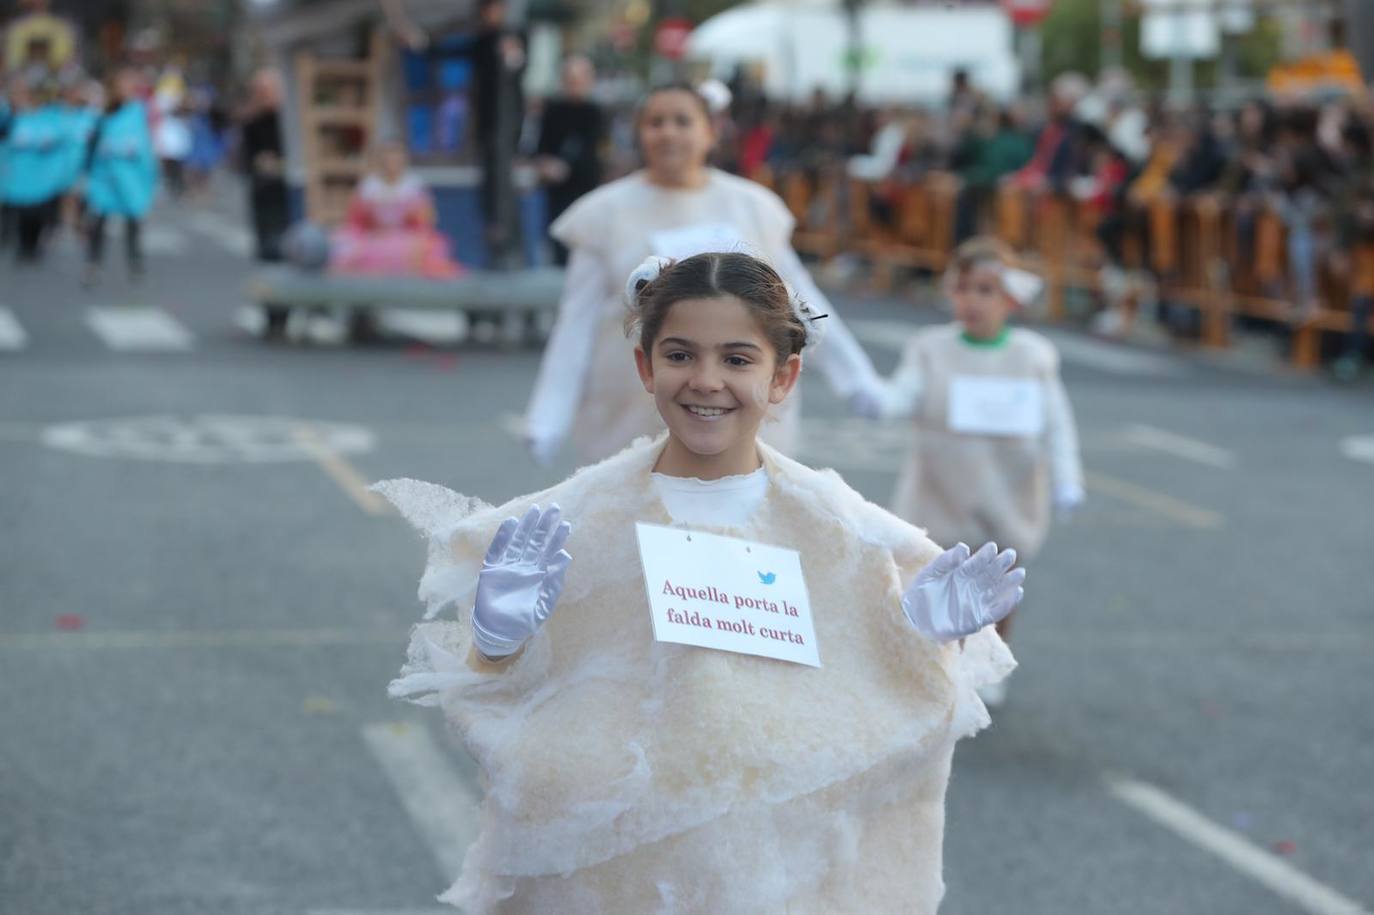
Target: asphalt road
<point>201,609</point>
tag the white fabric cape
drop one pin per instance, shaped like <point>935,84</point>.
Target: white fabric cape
<point>627,775</point>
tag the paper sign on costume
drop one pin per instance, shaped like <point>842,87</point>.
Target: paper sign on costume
<point>987,405</point>
<point>682,243</point>
<point>721,592</point>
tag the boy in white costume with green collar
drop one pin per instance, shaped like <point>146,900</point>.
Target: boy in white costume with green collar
<point>996,447</point>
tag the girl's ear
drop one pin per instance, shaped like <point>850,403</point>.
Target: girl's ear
<point>785,379</point>
<point>645,368</point>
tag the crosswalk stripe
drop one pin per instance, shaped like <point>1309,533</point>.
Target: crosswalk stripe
<point>164,240</point>
<point>434,327</point>
<point>441,803</point>
<point>235,239</point>
<point>12,336</point>
<point>139,330</point>
<point>1073,348</point>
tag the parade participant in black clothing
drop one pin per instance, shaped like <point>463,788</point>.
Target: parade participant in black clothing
<point>265,166</point>
<point>570,139</point>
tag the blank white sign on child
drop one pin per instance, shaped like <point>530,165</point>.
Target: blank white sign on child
<point>990,405</point>
<point>680,244</point>
<point>728,594</point>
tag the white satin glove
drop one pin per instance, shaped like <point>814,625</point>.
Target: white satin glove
<point>867,402</point>
<point>521,578</point>
<point>1067,500</point>
<point>956,595</point>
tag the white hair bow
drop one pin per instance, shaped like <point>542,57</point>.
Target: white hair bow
<point>647,271</point>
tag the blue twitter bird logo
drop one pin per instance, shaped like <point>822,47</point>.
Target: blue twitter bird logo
<point>767,577</point>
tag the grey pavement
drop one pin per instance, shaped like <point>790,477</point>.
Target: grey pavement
<point>200,613</point>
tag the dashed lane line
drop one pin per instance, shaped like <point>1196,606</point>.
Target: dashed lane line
<point>1273,873</point>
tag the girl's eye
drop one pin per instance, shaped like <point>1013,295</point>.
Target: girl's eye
<point>738,361</point>
<point>677,356</point>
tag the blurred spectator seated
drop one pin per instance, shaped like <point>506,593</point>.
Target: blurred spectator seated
<point>390,226</point>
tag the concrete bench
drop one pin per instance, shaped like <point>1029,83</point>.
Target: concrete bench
<point>521,298</point>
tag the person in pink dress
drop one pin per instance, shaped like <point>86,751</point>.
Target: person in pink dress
<point>390,225</point>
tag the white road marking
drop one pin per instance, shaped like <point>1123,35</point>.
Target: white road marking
<point>1084,351</point>
<point>1112,357</point>
<point>233,238</point>
<point>209,438</point>
<point>210,638</point>
<point>1190,449</point>
<point>1359,448</point>
<point>434,327</point>
<point>441,803</point>
<point>1277,875</point>
<point>1157,502</point>
<point>12,336</point>
<point>139,330</point>
<point>164,240</point>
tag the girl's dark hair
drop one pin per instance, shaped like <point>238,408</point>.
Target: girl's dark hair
<point>714,274</point>
<point>677,86</point>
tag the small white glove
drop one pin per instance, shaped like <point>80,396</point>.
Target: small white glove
<point>1067,500</point>
<point>956,595</point>
<point>521,578</point>
<point>543,448</point>
<point>867,402</point>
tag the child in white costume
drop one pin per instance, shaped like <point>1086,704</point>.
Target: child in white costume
<point>627,775</point>
<point>967,479</point>
<point>676,206</point>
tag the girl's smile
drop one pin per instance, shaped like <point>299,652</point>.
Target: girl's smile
<point>713,375</point>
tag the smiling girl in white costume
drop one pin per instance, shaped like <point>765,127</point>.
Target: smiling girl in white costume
<point>676,206</point>
<point>629,775</point>
<point>996,446</point>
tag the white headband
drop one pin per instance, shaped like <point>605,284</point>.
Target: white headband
<point>653,265</point>
<point>1023,286</point>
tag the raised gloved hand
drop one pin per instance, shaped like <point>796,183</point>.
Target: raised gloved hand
<point>956,595</point>
<point>867,402</point>
<point>1067,499</point>
<point>521,578</point>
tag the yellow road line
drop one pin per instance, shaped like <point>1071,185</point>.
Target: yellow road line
<point>341,472</point>
<point>1157,502</point>
<point>211,638</point>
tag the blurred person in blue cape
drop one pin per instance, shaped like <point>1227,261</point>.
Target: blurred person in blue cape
<point>35,143</point>
<point>121,175</point>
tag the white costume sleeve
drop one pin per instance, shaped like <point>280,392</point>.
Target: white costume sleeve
<point>846,366</point>
<point>1061,437</point>
<point>902,392</point>
<point>568,354</point>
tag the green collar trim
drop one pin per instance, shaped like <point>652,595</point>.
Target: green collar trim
<point>987,342</point>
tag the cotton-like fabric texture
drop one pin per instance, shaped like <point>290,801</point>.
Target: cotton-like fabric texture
<point>976,488</point>
<point>625,775</point>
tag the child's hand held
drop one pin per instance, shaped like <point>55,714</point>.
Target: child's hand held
<point>521,579</point>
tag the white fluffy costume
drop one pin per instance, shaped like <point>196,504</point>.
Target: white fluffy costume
<point>625,775</point>
<point>971,487</point>
<point>587,383</point>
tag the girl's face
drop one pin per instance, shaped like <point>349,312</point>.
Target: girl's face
<point>980,302</point>
<point>675,134</point>
<point>713,375</point>
<point>394,162</point>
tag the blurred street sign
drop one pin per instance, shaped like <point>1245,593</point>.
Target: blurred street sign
<point>1171,29</point>
<point>1027,13</point>
<point>670,39</point>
